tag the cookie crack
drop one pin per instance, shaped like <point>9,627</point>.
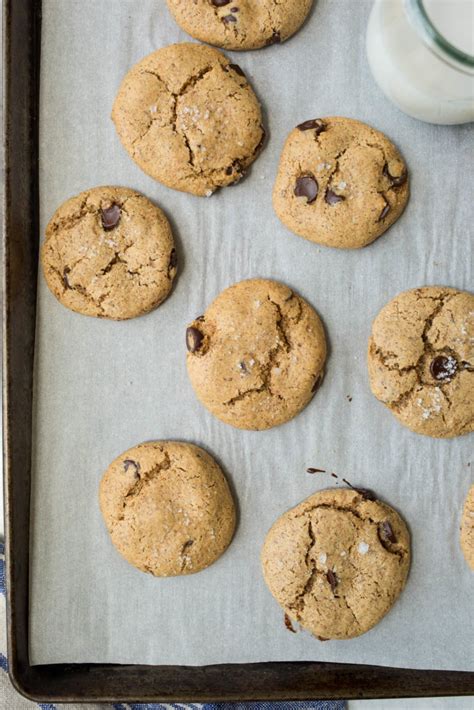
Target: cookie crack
<point>144,479</point>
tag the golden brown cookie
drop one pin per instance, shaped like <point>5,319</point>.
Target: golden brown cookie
<point>337,562</point>
<point>240,24</point>
<point>167,507</point>
<point>109,252</point>
<point>189,118</point>
<point>467,528</point>
<point>340,182</point>
<point>256,357</point>
<point>421,360</point>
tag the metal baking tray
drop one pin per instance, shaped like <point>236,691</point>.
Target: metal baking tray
<point>105,682</point>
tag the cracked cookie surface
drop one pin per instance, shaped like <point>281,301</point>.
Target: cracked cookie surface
<point>337,562</point>
<point>340,183</point>
<point>109,252</point>
<point>256,357</point>
<point>467,528</point>
<point>189,118</point>
<point>168,508</point>
<point>240,24</point>
<point>421,360</point>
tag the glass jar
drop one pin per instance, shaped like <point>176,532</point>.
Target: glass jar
<point>416,66</point>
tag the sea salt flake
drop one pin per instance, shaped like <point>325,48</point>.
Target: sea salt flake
<point>363,548</point>
<point>322,557</point>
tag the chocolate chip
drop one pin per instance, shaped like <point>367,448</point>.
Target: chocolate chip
<point>128,463</point>
<point>321,638</point>
<point>220,3</point>
<point>315,470</point>
<point>396,181</point>
<point>366,493</point>
<point>331,198</point>
<point>443,368</point>
<point>234,9</point>
<point>275,38</point>
<point>229,18</point>
<point>384,212</point>
<point>194,339</point>
<point>332,579</point>
<point>200,319</point>
<point>237,69</point>
<point>65,278</point>
<point>314,123</point>
<point>386,533</point>
<point>288,624</point>
<point>110,217</point>
<point>229,170</point>
<point>186,546</point>
<point>173,259</point>
<point>317,382</point>
<point>307,186</point>
<point>243,367</point>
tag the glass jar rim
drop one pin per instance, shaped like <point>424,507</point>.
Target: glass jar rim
<point>435,40</point>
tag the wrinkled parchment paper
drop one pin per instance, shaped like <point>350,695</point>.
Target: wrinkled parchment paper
<point>102,387</point>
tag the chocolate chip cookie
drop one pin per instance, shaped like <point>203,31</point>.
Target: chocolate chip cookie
<point>421,360</point>
<point>109,252</point>
<point>189,118</point>
<point>340,183</point>
<point>256,357</point>
<point>167,507</point>
<point>337,562</point>
<point>240,24</point>
<point>467,528</point>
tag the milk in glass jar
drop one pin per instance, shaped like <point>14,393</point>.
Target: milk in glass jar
<point>421,53</point>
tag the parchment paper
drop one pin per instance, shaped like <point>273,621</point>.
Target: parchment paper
<point>102,387</point>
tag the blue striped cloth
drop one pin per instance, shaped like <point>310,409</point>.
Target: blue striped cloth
<point>10,700</point>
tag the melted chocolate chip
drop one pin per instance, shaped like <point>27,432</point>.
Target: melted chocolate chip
<point>237,69</point>
<point>321,638</point>
<point>384,212</point>
<point>229,18</point>
<point>314,123</point>
<point>307,186</point>
<point>396,181</point>
<point>275,38</point>
<point>443,367</point>
<point>194,339</point>
<point>128,463</point>
<point>229,170</point>
<point>220,3</point>
<point>288,624</point>
<point>332,579</point>
<point>65,278</point>
<point>366,493</point>
<point>200,319</point>
<point>331,198</point>
<point>110,217</point>
<point>173,259</point>
<point>386,533</point>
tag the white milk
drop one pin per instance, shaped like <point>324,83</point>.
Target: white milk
<point>422,80</point>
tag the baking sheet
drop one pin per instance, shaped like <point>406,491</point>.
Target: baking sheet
<point>102,387</point>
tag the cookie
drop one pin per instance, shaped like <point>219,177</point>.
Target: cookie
<point>189,118</point>
<point>421,360</point>
<point>340,183</point>
<point>167,507</point>
<point>256,357</point>
<point>109,253</point>
<point>337,562</point>
<point>467,528</point>
<point>240,24</point>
